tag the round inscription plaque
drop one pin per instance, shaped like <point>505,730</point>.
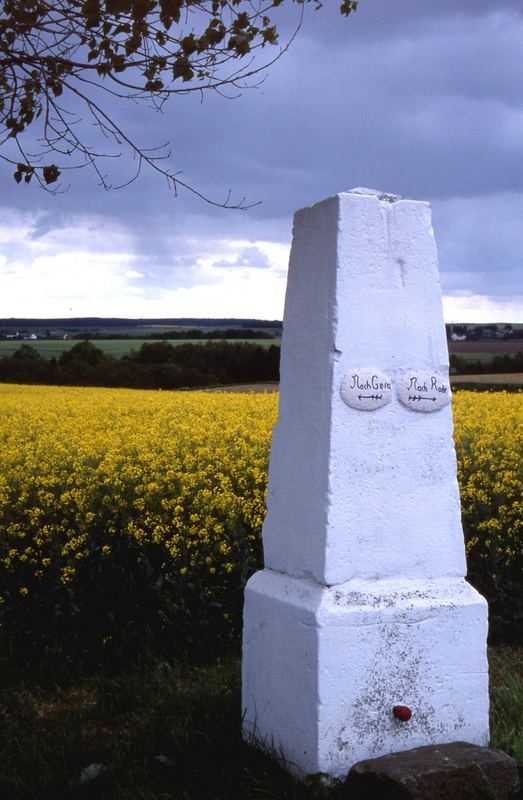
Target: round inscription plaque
<point>424,390</point>
<point>366,389</point>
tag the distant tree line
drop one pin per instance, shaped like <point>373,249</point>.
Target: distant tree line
<point>486,331</point>
<point>495,365</point>
<point>80,323</point>
<point>160,365</point>
<point>191,333</point>
<point>157,365</point>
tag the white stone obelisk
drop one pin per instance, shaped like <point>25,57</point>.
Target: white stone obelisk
<point>362,612</point>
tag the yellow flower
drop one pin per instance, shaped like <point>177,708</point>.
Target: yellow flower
<point>186,472</point>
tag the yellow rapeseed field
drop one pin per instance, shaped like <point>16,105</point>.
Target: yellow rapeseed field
<point>489,445</point>
<point>187,469</point>
<point>79,465</point>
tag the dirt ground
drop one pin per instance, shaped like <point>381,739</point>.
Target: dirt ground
<point>487,346</point>
<point>508,377</point>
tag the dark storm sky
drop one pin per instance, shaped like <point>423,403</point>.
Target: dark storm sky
<point>423,99</point>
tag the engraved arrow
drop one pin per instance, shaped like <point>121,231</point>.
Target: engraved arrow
<point>370,397</point>
<point>419,397</point>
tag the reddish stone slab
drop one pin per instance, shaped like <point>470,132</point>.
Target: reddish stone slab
<point>458,770</point>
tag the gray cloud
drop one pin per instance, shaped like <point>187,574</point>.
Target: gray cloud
<point>480,243</point>
<point>46,222</point>
<point>420,99</point>
<point>248,257</point>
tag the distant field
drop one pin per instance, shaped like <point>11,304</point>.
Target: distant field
<point>114,347</point>
<point>515,378</point>
<point>158,330</point>
<point>482,357</point>
<point>131,330</point>
<point>486,347</point>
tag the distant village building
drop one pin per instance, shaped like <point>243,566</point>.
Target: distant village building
<point>456,337</point>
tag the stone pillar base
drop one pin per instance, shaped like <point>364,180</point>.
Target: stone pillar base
<point>324,667</point>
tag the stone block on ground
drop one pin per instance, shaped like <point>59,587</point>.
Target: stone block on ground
<point>435,772</point>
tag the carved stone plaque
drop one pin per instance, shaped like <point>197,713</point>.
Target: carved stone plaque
<point>424,390</point>
<point>366,389</point>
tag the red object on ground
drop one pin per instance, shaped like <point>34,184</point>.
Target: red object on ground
<point>403,713</point>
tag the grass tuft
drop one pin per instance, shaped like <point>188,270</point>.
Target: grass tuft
<point>506,700</point>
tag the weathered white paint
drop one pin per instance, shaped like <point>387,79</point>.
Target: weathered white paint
<point>362,604</point>
<point>366,388</point>
<point>328,664</point>
<point>349,492</point>
<point>423,390</point>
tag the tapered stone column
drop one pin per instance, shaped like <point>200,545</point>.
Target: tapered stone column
<point>362,606</point>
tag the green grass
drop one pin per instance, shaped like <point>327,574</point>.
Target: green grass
<point>506,698</point>
<point>167,733</point>
<point>114,347</point>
